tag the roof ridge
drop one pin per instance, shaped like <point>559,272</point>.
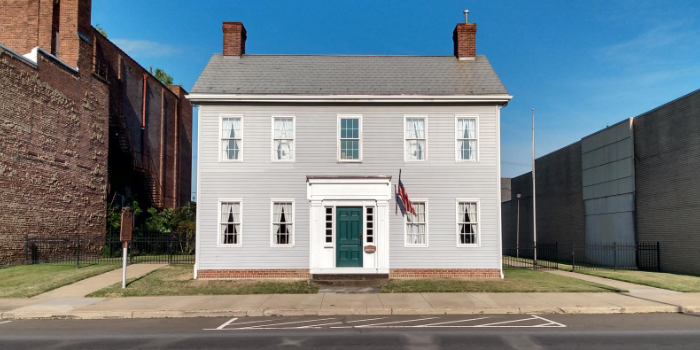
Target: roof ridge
<point>341,55</point>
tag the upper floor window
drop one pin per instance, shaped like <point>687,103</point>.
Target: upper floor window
<point>467,138</point>
<point>467,223</point>
<point>283,223</point>
<point>231,138</point>
<point>350,138</point>
<point>415,135</point>
<point>230,223</point>
<point>283,139</point>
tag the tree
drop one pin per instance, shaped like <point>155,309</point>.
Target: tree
<point>164,77</point>
<point>101,30</point>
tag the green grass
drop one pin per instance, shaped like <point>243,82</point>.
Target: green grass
<point>516,280</point>
<point>679,283</point>
<point>177,280</point>
<point>30,280</point>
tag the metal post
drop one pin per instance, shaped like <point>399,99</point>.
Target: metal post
<point>77,254</point>
<point>534,196</point>
<point>573,257</point>
<point>124,253</point>
<point>615,257</point>
<point>26,249</point>
<point>517,230</point>
<point>658,256</point>
<point>170,249</point>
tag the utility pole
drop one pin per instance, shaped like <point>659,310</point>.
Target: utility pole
<point>534,196</point>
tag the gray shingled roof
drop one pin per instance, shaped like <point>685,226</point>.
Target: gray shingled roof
<point>348,75</point>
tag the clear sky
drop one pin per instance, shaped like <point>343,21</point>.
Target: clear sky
<point>581,64</point>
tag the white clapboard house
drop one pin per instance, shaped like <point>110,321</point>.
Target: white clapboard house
<point>299,158</point>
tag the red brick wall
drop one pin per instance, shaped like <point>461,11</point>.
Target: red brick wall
<point>445,273</point>
<point>19,24</point>
<point>182,185</point>
<point>53,152</point>
<point>234,39</point>
<point>464,37</point>
<point>254,274</point>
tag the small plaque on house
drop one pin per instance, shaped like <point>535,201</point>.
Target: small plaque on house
<point>369,249</point>
<point>126,225</point>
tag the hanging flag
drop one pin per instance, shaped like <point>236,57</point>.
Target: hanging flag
<point>402,199</point>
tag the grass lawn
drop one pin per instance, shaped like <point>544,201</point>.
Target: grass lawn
<point>516,280</point>
<point>680,283</point>
<point>177,280</point>
<point>31,280</point>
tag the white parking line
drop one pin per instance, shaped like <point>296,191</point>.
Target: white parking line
<point>227,323</point>
<point>448,322</point>
<point>3,322</point>
<point>395,322</point>
<point>318,325</point>
<point>550,324</point>
<point>283,323</point>
<point>370,319</point>
<point>504,322</point>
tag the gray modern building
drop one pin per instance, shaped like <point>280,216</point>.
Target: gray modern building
<point>635,181</point>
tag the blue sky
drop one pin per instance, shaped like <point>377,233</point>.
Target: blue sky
<point>581,64</point>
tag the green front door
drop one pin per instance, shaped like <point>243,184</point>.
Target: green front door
<point>348,248</point>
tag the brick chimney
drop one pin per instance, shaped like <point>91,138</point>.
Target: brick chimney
<point>464,37</point>
<point>234,38</point>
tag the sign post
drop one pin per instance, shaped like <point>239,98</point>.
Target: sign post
<point>125,238</point>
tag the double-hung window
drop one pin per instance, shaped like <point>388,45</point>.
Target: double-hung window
<point>230,223</point>
<point>467,223</point>
<point>415,138</point>
<point>349,138</point>
<point>283,139</point>
<point>283,223</point>
<point>467,138</point>
<point>417,225</point>
<point>231,138</point>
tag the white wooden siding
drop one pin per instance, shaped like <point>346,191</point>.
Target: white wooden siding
<point>257,180</point>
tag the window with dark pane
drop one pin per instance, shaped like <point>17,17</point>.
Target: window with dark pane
<point>370,224</point>
<point>282,223</point>
<point>329,225</point>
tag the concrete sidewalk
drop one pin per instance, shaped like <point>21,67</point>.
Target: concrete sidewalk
<point>633,288</point>
<point>359,304</point>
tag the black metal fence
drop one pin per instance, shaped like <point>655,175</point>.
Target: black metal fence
<point>524,257</point>
<point>645,256</point>
<point>146,247</point>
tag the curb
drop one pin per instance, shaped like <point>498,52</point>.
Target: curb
<point>97,315</point>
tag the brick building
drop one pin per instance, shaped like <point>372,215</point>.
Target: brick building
<point>80,121</point>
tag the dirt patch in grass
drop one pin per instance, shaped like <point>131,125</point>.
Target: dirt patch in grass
<point>31,280</point>
<point>177,280</point>
<point>516,280</point>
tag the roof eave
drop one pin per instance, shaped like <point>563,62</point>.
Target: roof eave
<point>206,97</point>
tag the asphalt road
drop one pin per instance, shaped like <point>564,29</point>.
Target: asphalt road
<point>651,331</point>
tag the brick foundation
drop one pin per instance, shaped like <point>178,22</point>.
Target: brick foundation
<point>254,274</point>
<point>445,273</point>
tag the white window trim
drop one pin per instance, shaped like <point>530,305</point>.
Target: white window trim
<point>427,226</point>
<point>359,143</point>
<point>458,158</point>
<point>364,224</point>
<point>478,222</point>
<point>221,138</point>
<point>330,244</point>
<point>272,224</point>
<point>218,223</point>
<point>294,139</point>
<point>405,137</point>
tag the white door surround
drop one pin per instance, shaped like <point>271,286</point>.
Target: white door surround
<point>348,191</point>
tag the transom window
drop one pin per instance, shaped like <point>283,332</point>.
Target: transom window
<point>230,223</point>
<point>467,223</point>
<point>283,223</point>
<point>467,137</point>
<point>350,143</point>
<point>231,138</point>
<point>417,225</point>
<point>415,135</point>
<point>283,139</point>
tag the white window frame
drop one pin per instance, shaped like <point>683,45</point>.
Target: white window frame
<point>427,226</point>
<point>478,222</point>
<point>458,139</point>
<point>406,117</point>
<point>330,244</point>
<point>219,242</point>
<point>221,138</point>
<point>359,140</point>
<point>272,223</point>
<point>293,139</point>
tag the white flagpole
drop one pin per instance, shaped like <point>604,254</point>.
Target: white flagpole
<point>534,197</point>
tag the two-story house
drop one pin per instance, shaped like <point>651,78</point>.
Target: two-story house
<point>299,158</point>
